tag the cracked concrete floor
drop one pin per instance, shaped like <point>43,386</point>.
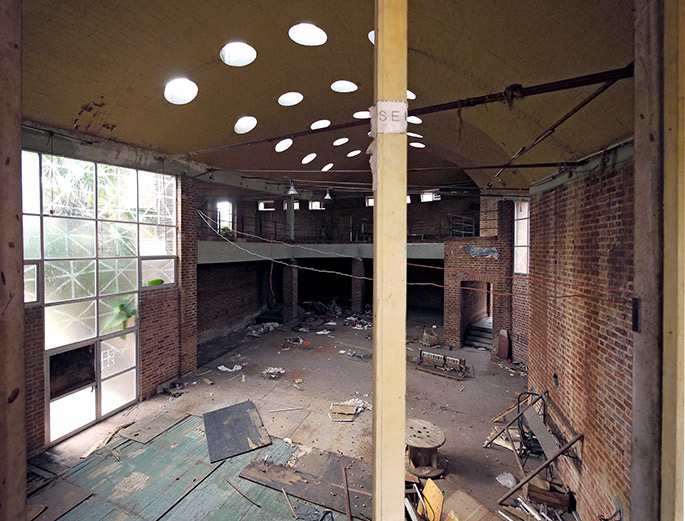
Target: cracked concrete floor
<point>462,409</point>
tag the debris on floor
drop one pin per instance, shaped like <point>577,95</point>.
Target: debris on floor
<point>234,430</point>
<point>443,365</point>
<point>361,405</point>
<point>236,367</point>
<point>273,372</point>
<point>431,505</point>
<point>355,322</point>
<point>506,479</point>
<point>257,331</point>
<point>106,439</point>
<point>515,368</point>
<point>341,412</point>
<point>351,353</point>
<point>430,338</point>
<point>308,513</point>
<point>323,332</point>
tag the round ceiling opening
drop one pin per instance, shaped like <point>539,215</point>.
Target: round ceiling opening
<point>362,114</point>
<point>245,124</point>
<point>308,158</point>
<point>290,98</point>
<point>307,34</point>
<point>283,145</point>
<point>354,153</point>
<point>340,141</point>
<point>322,123</point>
<point>410,95</point>
<point>414,134</point>
<point>372,37</point>
<point>343,86</point>
<point>237,54</point>
<point>416,144</point>
<point>415,120</point>
<point>180,91</point>
<point>327,167</point>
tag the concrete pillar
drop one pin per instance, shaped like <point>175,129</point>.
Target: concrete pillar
<point>357,286</point>
<point>648,262</point>
<point>12,382</point>
<point>389,166</point>
<point>290,291</point>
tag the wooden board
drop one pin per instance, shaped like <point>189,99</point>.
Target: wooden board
<point>433,499</point>
<point>547,441</point>
<point>318,477</point>
<point>149,428</point>
<point>59,497</point>
<point>234,430</point>
<point>468,508</point>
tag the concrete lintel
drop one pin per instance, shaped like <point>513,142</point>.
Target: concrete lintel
<point>217,252</point>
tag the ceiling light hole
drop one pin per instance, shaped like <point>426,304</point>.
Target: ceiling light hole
<point>307,34</point>
<point>362,114</point>
<point>343,86</point>
<point>415,120</point>
<point>290,98</point>
<point>283,145</point>
<point>245,124</point>
<point>354,153</point>
<point>416,144</point>
<point>327,167</point>
<point>237,54</point>
<point>414,134</point>
<point>372,37</point>
<point>180,91</point>
<point>322,123</point>
<point>340,141</point>
<point>410,95</point>
<point>308,158</point>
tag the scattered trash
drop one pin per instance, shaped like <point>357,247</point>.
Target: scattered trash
<point>267,327</point>
<point>515,368</point>
<point>297,387</point>
<point>360,405</point>
<point>298,340</point>
<point>299,380</point>
<point>309,513</point>
<point>273,372</point>
<point>204,372</point>
<point>236,367</point>
<point>331,323</point>
<point>430,338</point>
<point>351,353</point>
<point>506,479</point>
<point>323,332</point>
<point>355,322</point>
<point>342,412</point>
<point>301,329</point>
<point>242,494</point>
<point>288,441</point>
<point>208,381</point>
<point>287,409</point>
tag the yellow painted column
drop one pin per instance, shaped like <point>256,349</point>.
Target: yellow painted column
<point>389,167</point>
<point>673,435</point>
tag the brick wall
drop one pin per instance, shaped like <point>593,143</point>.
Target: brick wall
<point>160,339</point>
<point>227,294</point>
<point>34,350</point>
<point>582,236</point>
<point>290,295</point>
<point>460,266</point>
<point>187,273</point>
<point>358,286</point>
<point>520,319</point>
<point>488,216</point>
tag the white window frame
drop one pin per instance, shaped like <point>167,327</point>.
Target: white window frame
<point>522,243</point>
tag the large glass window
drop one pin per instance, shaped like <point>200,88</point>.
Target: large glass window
<point>94,234</point>
<point>521,236</point>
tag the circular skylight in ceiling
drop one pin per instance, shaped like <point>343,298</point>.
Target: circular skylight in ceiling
<point>245,124</point>
<point>410,95</point>
<point>237,54</point>
<point>343,86</point>
<point>307,34</point>
<point>308,158</point>
<point>290,98</point>
<point>416,144</point>
<point>340,141</point>
<point>180,91</point>
<point>327,167</point>
<point>415,119</point>
<point>354,153</point>
<point>362,114</point>
<point>372,37</point>
<point>414,134</point>
<point>283,145</point>
<point>322,123</point>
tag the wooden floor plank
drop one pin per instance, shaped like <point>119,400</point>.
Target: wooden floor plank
<point>144,431</point>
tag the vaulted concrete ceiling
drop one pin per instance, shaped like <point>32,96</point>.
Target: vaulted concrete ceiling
<point>100,68</point>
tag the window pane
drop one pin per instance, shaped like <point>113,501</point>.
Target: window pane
<point>521,259</point>
<point>157,196</point>
<point>158,271</point>
<point>30,283</point>
<point>68,187</point>
<point>521,210</point>
<point>521,232</point>
<point>117,313</point>
<point>71,412</point>
<point>117,193</point>
<point>68,238</point>
<point>117,239</point>
<point>157,240</point>
<point>30,182</point>
<point>118,354</point>
<point>31,230</point>
<point>67,280</point>
<point>118,391</point>
<point>69,323</point>
<point>117,275</point>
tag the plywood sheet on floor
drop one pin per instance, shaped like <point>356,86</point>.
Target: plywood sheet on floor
<point>317,476</point>
<point>59,497</point>
<point>147,429</point>
<point>234,430</point>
